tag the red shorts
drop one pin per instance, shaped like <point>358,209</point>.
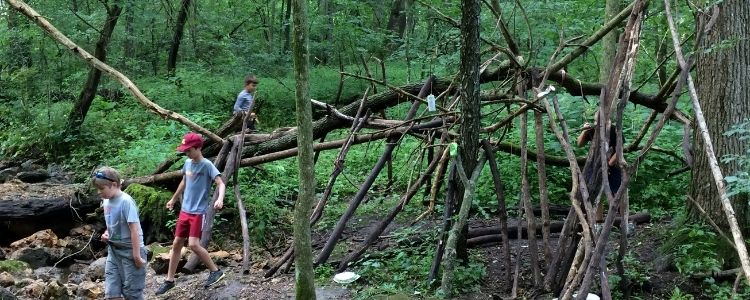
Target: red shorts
<point>189,225</point>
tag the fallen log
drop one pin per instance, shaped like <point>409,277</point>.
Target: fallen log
<point>26,208</point>
<point>485,235</point>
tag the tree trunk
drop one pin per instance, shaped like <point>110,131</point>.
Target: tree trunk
<point>19,46</point>
<point>609,42</point>
<point>305,279</point>
<point>470,127</point>
<point>287,15</point>
<point>179,28</point>
<point>79,111</point>
<point>128,41</point>
<point>725,98</point>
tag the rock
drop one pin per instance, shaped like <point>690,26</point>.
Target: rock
<point>34,176</point>
<point>2,254</point>
<point>6,279</point>
<point>28,165</point>
<point>95,270</point>
<point>8,174</point>
<point>39,257</point>
<point>34,289</point>
<point>48,273</point>
<point>85,230</point>
<point>45,290</point>
<point>90,290</point>
<point>6,294</point>
<point>43,238</point>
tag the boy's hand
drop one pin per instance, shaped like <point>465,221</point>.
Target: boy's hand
<point>587,126</point>
<point>170,204</point>
<point>219,204</point>
<point>139,262</point>
<point>105,236</point>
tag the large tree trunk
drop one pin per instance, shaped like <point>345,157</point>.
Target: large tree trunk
<point>179,28</point>
<point>305,279</point>
<point>725,98</point>
<point>79,111</point>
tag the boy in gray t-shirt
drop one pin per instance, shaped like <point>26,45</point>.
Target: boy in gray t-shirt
<point>125,270</point>
<point>198,173</point>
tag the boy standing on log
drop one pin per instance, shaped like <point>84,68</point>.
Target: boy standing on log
<point>198,172</point>
<point>246,100</point>
<point>124,272</point>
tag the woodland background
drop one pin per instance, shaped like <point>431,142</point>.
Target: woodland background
<point>191,57</point>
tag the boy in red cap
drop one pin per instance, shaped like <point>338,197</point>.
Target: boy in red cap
<point>198,172</point>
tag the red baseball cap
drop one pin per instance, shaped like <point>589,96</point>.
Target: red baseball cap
<point>191,139</point>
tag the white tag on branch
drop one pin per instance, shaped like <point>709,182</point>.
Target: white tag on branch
<point>431,102</point>
<point>545,92</point>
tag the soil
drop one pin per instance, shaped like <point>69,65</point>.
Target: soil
<point>659,284</point>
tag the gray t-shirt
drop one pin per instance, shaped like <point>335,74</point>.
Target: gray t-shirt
<point>118,213</point>
<point>198,178</point>
<point>244,101</point>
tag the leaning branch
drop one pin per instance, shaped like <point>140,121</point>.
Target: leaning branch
<point>90,59</point>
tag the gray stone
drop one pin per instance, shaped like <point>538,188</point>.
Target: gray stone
<point>38,257</point>
<point>33,176</point>
<point>8,174</point>
<point>5,294</point>
<point>95,270</point>
<point>48,273</point>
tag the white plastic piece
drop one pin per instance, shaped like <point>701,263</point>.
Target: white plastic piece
<point>345,277</point>
<point>431,102</point>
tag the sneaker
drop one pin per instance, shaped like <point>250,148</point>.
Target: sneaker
<point>166,286</point>
<point>214,277</point>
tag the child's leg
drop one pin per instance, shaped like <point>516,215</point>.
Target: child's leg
<point>135,278</point>
<point>174,260</point>
<point>112,276</point>
<point>181,232</point>
<point>194,241</point>
<point>195,245</point>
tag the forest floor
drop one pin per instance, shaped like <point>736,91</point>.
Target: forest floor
<point>644,262</point>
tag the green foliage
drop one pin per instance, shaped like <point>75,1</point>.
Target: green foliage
<point>677,294</point>
<point>739,182</point>
<point>698,252</point>
<point>13,266</point>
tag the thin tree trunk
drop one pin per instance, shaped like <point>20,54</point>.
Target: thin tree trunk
<point>287,23</point>
<point>81,108</point>
<point>179,28</point>
<point>542,175</point>
<point>461,222</point>
<point>526,199</point>
<point>470,101</point>
<point>305,278</point>
<point>609,42</point>
<point>448,208</point>
<point>500,194</point>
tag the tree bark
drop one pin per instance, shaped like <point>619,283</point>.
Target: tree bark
<point>80,109</point>
<point>305,277</point>
<point>470,101</point>
<point>179,28</point>
<point>609,42</point>
<point>725,98</point>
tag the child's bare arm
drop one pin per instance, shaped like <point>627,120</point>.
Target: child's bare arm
<point>222,188</point>
<point>135,238</point>
<point>177,194</point>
